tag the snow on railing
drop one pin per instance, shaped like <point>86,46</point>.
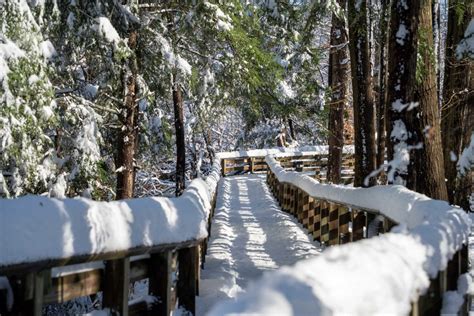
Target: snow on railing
<point>63,242</point>
<point>254,160</point>
<point>35,228</point>
<point>281,152</point>
<point>386,274</point>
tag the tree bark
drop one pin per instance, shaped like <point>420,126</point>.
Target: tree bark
<point>458,98</point>
<point>381,108</point>
<point>292,129</point>
<point>129,133</point>
<point>338,79</point>
<point>400,92</point>
<point>429,159</point>
<point>178,104</point>
<point>362,90</point>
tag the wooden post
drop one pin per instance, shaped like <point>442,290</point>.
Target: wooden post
<point>311,214</point>
<point>333,224</point>
<point>286,203</point>
<point>324,222</point>
<point>197,266</point>
<point>116,286</point>
<point>281,191</point>
<point>294,211</point>
<point>160,283</point>
<point>223,167</point>
<point>369,218</point>
<point>292,199</point>
<point>358,223</point>
<point>299,207</point>
<point>38,296</point>
<point>306,207</point>
<point>344,220</point>
<point>251,165</point>
<point>23,288</point>
<point>187,279</point>
<point>317,221</point>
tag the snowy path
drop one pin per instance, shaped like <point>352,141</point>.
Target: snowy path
<point>249,235</point>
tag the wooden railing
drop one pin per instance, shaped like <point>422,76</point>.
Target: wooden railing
<point>314,164</point>
<point>332,223</point>
<point>36,284</point>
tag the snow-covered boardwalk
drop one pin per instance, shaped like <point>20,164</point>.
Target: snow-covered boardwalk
<point>250,234</point>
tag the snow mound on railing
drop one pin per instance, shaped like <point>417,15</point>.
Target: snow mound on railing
<point>381,275</point>
<point>34,228</point>
<point>372,276</point>
<point>282,151</point>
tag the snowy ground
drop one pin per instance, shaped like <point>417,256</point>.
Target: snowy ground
<point>246,241</point>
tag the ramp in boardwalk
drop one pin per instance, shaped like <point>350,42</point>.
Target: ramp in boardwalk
<point>249,235</point>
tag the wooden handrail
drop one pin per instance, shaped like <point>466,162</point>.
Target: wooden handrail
<point>328,222</point>
<point>34,286</point>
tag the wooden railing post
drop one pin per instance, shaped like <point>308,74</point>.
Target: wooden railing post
<point>317,221</point>
<point>281,192</point>
<point>299,205</point>
<point>28,294</point>
<point>223,167</point>
<point>159,284</point>
<point>311,215</point>
<point>344,220</point>
<point>294,210</point>
<point>333,224</point>
<point>358,223</point>
<point>305,212</point>
<point>116,286</point>
<point>324,222</point>
<point>187,260</point>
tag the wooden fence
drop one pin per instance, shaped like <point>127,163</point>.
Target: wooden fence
<point>329,222</point>
<point>113,274</point>
<point>332,223</point>
<point>314,165</point>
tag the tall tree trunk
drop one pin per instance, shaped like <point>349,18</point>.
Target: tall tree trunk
<point>338,80</point>
<point>178,104</point>
<point>127,145</point>
<point>400,91</point>
<point>429,158</point>
<point>292,128</point>
<point>128,135</point>
<point>381,108</point>
<point>362,90</point>
<point>458,99</point>
<point>436,26</point>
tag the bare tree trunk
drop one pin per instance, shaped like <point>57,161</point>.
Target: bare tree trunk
<point>128,135</point>
<point>362,90</point>
<point>338,80</point>
<point>178,104</point>
<point>292,129</point>
<point>381,107</point>
<point>400,91</point>
<point>458,99</point>
<point>429,158</point>
<point>436,26</point>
